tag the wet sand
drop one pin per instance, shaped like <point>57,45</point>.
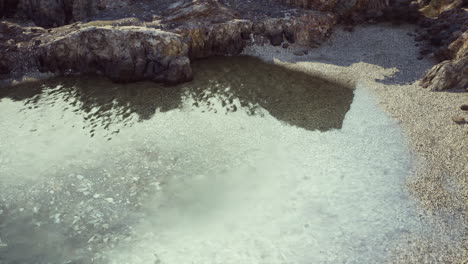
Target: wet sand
<point>383,60</point>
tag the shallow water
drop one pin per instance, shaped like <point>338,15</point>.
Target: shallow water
<point>249,163</point>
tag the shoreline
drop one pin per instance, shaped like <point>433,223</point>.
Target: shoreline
<point>384,60</point>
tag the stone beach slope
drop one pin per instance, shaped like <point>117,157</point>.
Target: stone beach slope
<point>393,74</point>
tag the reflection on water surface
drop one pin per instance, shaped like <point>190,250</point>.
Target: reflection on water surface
<point>244,84</point>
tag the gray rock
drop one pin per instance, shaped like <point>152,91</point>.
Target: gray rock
<point>122,54</point>
<point>459,120</point>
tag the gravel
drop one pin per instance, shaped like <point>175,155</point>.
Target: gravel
<point>384,60</point>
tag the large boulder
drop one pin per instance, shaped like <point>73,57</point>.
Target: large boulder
<point>121,53</point>
<point>450,73</point>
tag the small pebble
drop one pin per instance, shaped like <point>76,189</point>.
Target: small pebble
<point>96,196</point>
<point>285,45</point>
<point>57,218</point>
<point>459,120</point>
<point>80,177</point>
<point>464,107</point>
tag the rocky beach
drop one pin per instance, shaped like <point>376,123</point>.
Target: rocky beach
<point>411,57</point>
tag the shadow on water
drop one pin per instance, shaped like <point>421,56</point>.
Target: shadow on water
<point>290,96</point>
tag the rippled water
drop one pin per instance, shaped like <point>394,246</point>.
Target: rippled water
<point>249,163</point>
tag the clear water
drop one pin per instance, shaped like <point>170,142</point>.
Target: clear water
<point>249,163</point>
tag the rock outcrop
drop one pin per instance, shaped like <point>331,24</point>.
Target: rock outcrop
<point>161,49</point>
<point>159,44</point>
<point>214,30</point>
<point>228,38</point>
<point>122,54</point>
<point>445,37</point>
<point>450,73</point>
<point>209,28</point>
